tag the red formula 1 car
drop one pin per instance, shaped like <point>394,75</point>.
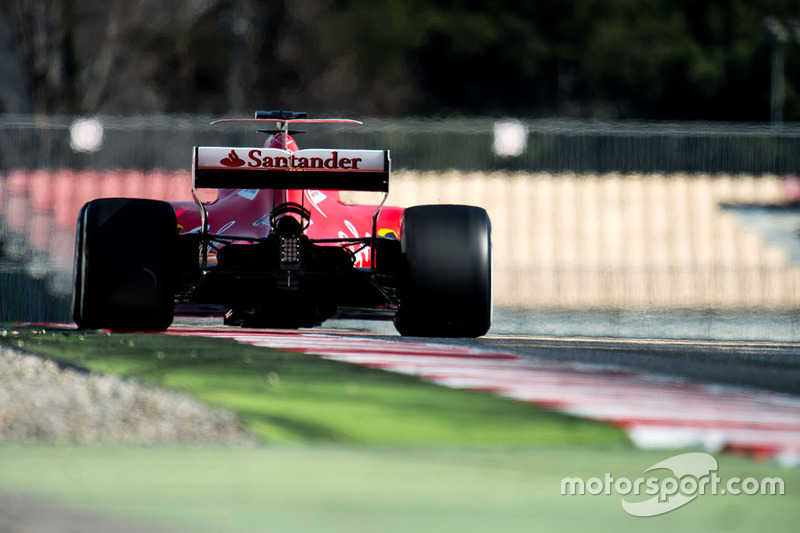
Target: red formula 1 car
<point>279,247</point>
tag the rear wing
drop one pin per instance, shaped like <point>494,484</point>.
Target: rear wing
<point>217,167</point>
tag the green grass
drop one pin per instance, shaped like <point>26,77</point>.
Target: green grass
<point>288,398</point>
<point>336,488</point>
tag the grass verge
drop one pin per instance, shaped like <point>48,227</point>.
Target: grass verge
<point>287,397</point>
<point>346,488</point>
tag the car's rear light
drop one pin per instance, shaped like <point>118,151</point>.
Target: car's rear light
<point>290,252</point>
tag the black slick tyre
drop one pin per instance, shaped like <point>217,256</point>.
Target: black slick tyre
<point>445,283</point>
<point>123,276</point>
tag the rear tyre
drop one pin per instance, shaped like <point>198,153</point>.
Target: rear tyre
<point>123,277</point>
<point>445,285</point>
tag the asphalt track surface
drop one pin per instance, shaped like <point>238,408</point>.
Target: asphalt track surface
<point>762,365</point>
<point>766,366</point>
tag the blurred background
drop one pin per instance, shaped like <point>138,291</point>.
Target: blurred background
<point>635,156</point>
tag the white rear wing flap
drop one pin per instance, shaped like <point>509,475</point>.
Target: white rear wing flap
<point>218,167</point>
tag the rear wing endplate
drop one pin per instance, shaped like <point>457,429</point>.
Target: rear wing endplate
<point>218,167</point>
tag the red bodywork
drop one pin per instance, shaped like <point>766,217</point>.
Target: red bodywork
<point>338,255</point>
<point>245,212</point>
